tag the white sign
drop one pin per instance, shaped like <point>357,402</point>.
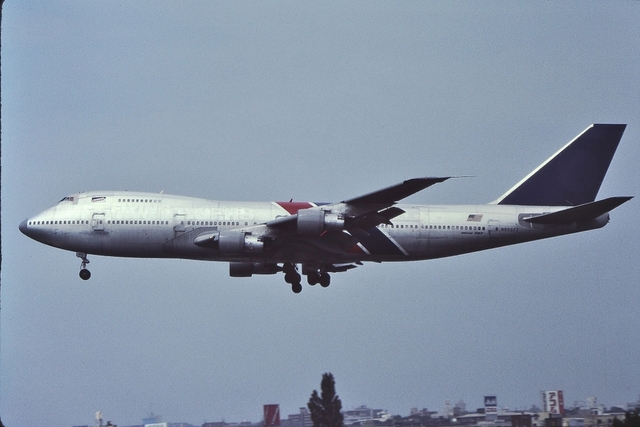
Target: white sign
<point>553,401</point>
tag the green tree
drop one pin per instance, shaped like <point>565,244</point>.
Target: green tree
<point>326,409</point>
<point>631,419</point>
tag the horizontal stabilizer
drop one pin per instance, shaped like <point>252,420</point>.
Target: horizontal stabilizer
<point>585,212</point>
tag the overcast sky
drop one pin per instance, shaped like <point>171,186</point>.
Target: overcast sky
<point>322,102</point>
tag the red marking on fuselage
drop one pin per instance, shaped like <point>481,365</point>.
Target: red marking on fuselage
<point>356,249</point>
<point>294,207</point>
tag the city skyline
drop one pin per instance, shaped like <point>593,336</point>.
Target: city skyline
<point>589,402</point>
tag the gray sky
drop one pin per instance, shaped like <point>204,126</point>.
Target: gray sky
<point>321,102</point>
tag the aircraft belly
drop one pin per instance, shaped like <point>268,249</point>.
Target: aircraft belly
<point>116,244</point>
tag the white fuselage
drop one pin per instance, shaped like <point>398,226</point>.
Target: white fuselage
<point>132,224</point>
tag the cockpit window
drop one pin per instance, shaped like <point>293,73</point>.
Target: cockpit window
<point>67,199</point>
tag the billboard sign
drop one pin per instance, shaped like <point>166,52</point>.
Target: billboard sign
<point>491,407</point>
<point>553,402</point>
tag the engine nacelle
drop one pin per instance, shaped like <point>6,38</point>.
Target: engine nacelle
<point>315,221</point>
<point>247,269</point>
<point>237,242</point>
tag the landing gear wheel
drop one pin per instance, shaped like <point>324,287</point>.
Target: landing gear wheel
<point>313,278</point>
<point>292,278</point>
<point>85,274</point>
<point>325,280</point>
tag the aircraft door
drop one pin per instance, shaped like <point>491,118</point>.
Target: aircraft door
<point>179,221</point>
<point>493,228</point>
<point>423,240</point>
<point>424,223</point>
<point>97,221</point>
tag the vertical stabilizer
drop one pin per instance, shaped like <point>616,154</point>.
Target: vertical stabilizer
<point>573,175</point>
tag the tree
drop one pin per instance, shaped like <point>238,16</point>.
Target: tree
<point>326,409</point>
<point>631,419</point>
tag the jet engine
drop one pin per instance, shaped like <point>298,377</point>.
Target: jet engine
<point>237,242</point>
<point>316,221</point>
<point>247,269</point>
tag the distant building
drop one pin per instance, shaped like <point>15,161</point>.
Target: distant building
<point>151,419</point>
<point>602,420</point>
<point>362,414</point>
<point>633,405</point>
<point>301,419</point>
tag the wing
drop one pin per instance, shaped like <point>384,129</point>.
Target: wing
<point>322,235</point>
<point>360,213</point>
<point>392,195</point>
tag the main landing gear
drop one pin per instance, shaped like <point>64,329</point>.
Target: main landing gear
<point>314,277</point>
<point>84,273</point>
<point>292,276</point>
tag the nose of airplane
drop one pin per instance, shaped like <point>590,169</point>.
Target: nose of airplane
<point>23,227</point>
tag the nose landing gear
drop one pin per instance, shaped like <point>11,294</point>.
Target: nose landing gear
<point>84,273</point>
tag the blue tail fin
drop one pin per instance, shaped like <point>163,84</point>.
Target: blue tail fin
<point>573,175</point>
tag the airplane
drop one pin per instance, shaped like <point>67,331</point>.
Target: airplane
<point>556,198</point>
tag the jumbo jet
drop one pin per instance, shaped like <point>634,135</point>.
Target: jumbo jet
<point>315,239</point>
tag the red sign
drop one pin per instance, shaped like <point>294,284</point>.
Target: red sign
<point>271,415</point>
